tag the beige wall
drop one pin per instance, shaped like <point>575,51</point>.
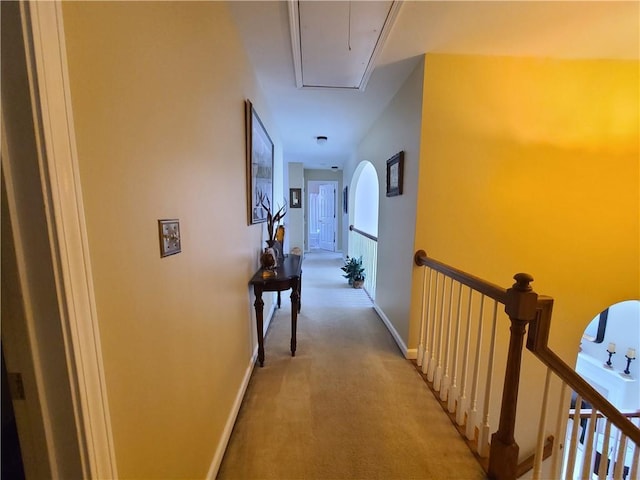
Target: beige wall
<point>158,93</point>
<point>398,128</point>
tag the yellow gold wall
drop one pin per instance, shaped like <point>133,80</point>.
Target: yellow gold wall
<point>533,165</point>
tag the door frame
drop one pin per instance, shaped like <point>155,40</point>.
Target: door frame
<point>69,260</point>
<point>335,185</point>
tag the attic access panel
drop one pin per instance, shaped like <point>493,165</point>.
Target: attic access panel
<point>335,44</point>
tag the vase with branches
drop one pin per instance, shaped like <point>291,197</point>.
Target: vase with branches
<point>273,221</point>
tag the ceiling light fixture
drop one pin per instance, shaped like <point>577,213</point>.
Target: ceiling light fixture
<point>321,140</point>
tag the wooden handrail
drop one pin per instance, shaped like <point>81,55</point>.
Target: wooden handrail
<point>489,289</point>
<point>364,234</point>
<point>524,306</point>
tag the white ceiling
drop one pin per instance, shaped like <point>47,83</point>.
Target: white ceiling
<point>552,29</point>
<point>346,58</point>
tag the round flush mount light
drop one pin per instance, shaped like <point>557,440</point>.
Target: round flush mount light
<point>321,140</point>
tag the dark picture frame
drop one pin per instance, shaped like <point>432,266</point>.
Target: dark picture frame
<point>395,174</point>
<point>295,198</point>
<point>259,165</point>
<point>345,199</point>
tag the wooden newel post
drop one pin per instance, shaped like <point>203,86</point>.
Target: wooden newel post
<point>521,306</point>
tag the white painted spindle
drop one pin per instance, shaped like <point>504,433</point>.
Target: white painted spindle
<point>444,388</point>
<point>485,432</point>
<point>619,465</point>
<point>573,442</point>
<point>438,376</point>
<point>428,320</point>
<point>558,453</point>
<point>423,320</point>
<point>537,465</point>
<point>462,405</point>
<point>432,360</point>
<point>473,412</point>
<point>453,394</point>
<point>635,462</point>
<point>605,454</point>
<point>589,453</point>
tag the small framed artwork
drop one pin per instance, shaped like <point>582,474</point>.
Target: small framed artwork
<point>295,198</point>
<point>259,166</point>
<point>395,171</point>
<point>169,231</point>
<point>345,199</point>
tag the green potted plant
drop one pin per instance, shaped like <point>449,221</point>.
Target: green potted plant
<point>354,271</point>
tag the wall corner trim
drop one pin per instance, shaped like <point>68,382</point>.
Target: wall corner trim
<point>59,170</point>
<point>409,354</point>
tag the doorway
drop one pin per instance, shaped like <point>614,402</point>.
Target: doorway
<point>322,215</point>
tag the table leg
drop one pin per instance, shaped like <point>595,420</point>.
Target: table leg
<point>295,300</point>
<point>278,298</point>
<point>259,305</point>
<point>300,293</point>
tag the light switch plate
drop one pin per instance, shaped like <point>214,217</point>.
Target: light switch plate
<point>169,237</point>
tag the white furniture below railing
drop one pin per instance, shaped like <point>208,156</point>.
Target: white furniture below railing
<point>621,391</point>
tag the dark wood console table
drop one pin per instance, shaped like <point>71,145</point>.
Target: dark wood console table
<point>287,276</point>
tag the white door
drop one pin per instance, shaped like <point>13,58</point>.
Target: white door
<point>327,217</point>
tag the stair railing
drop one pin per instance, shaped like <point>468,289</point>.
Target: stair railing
<point>365,245</point>
<point>458,340</point>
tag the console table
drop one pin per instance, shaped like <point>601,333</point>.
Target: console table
<point>286,276</point>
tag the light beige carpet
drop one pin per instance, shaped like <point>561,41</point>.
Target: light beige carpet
<point>348,406</point>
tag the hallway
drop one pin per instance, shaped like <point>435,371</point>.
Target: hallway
<point>348,406</point>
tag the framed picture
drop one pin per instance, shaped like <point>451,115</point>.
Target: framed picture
<point>395,171</point>
<point>259,165</point>
<point>295,198</point>
<point>345,199</point>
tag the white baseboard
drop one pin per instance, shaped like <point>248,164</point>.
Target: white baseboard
<point>394,333</point>
<point>233,414</point>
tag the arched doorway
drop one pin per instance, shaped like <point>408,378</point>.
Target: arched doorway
<point>363,239</point>
<point>617,330</point>
<point>607,360</point>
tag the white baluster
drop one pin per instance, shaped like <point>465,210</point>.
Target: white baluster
<point>446,380</point>
<point>573,443</point>
<point>619,465</point>
<point>485,432</point>
<point>635,462</point>
<point>432,360</point>
<point>422,318</point>
<point>462,405</point>
<point>558,452</point>
<point>428,321</point>
<point>605,454</point>
<point>537,465</point>
<point>473,412</point>
<point>453,394</point>
<point>438,376</point>
<point>589,454</point>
